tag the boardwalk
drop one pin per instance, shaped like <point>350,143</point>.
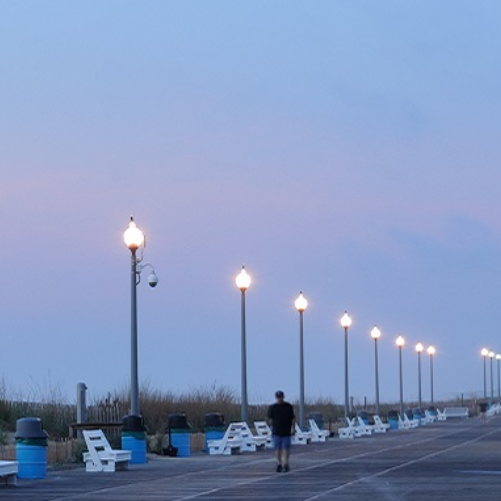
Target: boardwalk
<point>458,460</point>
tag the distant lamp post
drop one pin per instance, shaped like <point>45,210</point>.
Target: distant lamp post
<point>400,344</point>
<point>491,356</point>
<point>345,324</point>
<point>301,304</point>
<point>243,281</point>
<point>376,334</point>
<point>431,352</point>
<point>419,350</point>
<point>485,352</point>
<point>498,359</point>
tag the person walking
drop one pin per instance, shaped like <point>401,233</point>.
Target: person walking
<point>283,423</point>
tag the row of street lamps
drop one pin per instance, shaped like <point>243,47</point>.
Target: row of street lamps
<point>243,282</point>
<point>485,352</point>
<point>135,240</point>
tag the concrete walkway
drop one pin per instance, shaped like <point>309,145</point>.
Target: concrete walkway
<point>458,460</point>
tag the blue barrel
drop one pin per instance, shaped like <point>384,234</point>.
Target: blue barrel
<point>181,439</point>
<point>32,460</point>
<point>393,420</point>
<point>213,435</point>
<point>134,442</point>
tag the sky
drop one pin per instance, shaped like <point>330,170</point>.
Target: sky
<point>347,149</point>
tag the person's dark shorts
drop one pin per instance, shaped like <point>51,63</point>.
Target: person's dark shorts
<point>282,443</point>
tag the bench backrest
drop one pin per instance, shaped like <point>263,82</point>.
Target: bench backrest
<point>96,442</point>
<point>262,428</point>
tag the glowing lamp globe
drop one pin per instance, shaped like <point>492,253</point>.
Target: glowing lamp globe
<point>375,333</point>
<point>400,341</point>
<point>301,303</point>
<point>484,352</point>
<point>419,347</point>
<point>431,351</point>
<point>498,356</point>
<point>492,354</point>
<point>346,321</point>
<point>133,236</point>
<point>243,280</point>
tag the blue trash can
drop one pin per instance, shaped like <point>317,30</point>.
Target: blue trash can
<point>179,432</point>
<point>393,420</point>
<point>214,427</point>
<point>134,438</point>
<point>31,448</point>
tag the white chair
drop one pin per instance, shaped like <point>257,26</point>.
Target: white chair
<point>317,435</point>
<point>101,457</point>
<point>301,437</point>
<point>8,472</point>
<point>412,423</point>
<point>379,426</point>
<point>264,431</point>
<point>364,429</point>
<point>429,417</point>
<point>441,416</point>
<point>231,442</point>
<point>250,441</point>
<point>349,431</point>
<point>402,424</point>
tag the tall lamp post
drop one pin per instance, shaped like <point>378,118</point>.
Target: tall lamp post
<point>133,426</point>
<point>431,352</point>
<point>419,350</point>
<point>491,356</point>
<point>345,324</point>
<point>301,304</point>
<point>243,281</point>
<point>400,344</point>
<point>376,334</point>
<point>485,353</point>
<point>498,359</point>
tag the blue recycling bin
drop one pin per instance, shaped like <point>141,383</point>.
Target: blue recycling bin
<point>393,420</point>
<point>134,439</point>
<point>214,427</point>
<point>31,448</point>
<point>179,432</point>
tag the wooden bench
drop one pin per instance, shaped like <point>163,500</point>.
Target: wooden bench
<point>8,472</point>
<point>101,457</point>
<point>456,412</point>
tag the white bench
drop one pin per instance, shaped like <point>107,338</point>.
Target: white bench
<point>317,435</point>
<point>101,457</point>
<point>8,472</point>
<point>231,443</point>
<point>379,426</point>
<point>264,432</point>
<point>456,412</point>
<point>301,437</point>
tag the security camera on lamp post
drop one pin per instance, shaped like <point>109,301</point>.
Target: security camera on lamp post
<point>133,429</point>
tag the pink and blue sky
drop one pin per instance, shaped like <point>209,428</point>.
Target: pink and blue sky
<point>346,149</point>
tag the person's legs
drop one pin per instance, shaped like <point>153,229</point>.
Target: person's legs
<point>286,445</point>
<point>277,442</point>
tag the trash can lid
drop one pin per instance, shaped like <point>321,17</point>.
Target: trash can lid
<point>30,427</point>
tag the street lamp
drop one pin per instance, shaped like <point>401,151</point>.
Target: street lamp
<point>431,352</point>
<point>243,281</point>
<point>498,358</point>
<point>345,324</point>
<point>134,239</point>
<point>419,349</point>
<point>400,344</point>
<point>301,304</point>
<point>491,356</point>
<point>484,352</point>
<point>133,427</point>
<point>376,334</point>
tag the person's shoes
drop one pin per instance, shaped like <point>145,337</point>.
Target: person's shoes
<point>286,468</point>
<point>279,468</point>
